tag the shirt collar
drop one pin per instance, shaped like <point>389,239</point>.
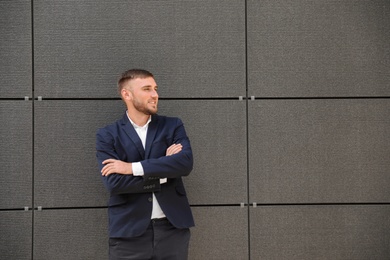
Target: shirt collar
<point>137,126</point>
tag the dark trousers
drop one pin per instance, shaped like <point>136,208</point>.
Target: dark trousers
<point>161,241</point>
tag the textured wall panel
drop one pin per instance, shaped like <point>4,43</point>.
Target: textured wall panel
<point>66,170</point>
<point>320,232</point>
<point>217,132</point>
<point>71,234</point>
<point>319,150</point>
<point>16,154</point>
<point>195,48</point>
<point>15,49</point>
<point>16,234</point>
<point>220,233</point>
<point>319,48</point>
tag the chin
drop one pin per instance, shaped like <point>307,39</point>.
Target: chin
<point>152,112</point>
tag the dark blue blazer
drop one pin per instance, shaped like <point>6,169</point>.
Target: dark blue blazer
<point>130,203</point>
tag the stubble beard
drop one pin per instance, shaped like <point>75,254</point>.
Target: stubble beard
<point>143,108</point>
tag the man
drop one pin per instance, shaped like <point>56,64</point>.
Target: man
<point>142,158</point>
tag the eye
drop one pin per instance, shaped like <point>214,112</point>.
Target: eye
<point>149,88</point>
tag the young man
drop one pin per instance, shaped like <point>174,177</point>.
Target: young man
<point>142,158</point>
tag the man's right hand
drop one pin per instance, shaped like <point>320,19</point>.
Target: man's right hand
<point>116,166</point>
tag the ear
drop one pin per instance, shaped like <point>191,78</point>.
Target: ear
<point>126,94</point>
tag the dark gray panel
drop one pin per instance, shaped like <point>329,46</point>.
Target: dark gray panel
<point>195,48</point>
<point>318,48</point>
<point>15,49</point>
<point>320,232</point>
<point>16,234</point>
<point>333,150</point>
<point>219,233</point>
<point>217,130</point>
<point>66,170</point>
<point>16,154</point>
<point>71,234</point>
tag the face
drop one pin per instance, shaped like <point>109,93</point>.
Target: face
<point>141,95</point>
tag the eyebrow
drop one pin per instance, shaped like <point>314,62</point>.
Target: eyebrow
<point>149,86</point>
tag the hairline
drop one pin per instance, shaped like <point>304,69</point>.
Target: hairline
<point>132,74</point>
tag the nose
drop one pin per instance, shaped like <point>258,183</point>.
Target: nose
<point>154,94</point>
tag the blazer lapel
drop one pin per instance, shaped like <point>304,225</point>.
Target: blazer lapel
<point>130,131</point>
<point>152,130</point>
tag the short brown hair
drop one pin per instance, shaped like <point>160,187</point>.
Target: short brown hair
<point>132,74</point>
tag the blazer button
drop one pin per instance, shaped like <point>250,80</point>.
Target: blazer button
<point>150,199</point>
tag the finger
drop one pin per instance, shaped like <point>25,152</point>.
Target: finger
<point>178,147</point>
<point>106,169</point>
<point>107,172</point>
<point>175,147</point>
<point>108,161</point>
<point>175,151</point>
<point>171,151</point>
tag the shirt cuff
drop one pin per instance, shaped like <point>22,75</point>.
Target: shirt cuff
<point>138,170</point>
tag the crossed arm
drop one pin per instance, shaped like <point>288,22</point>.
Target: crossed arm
<point>120,167</point>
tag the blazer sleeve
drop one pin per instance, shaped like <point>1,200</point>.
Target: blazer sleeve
<point>119,183</point>
<point>173,166</point>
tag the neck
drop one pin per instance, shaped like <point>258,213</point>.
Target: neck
<point>138,118</point>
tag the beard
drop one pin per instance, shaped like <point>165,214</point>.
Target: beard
<point>143,108</point>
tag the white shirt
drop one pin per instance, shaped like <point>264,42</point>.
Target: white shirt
<point>138,170</point>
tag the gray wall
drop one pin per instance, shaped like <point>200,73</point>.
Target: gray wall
<point>286,103</point>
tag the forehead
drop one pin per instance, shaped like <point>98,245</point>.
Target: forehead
<point>142,82</point>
